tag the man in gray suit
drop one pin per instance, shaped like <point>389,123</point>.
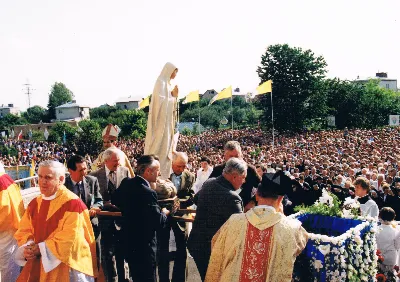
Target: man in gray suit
<point>216,202</point>
<point>87,188</point>
<point>110,177</point>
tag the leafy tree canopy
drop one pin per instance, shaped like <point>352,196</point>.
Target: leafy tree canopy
<point>59,95</point>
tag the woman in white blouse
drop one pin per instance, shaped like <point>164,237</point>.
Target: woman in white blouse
<point>202,174</point>
<point>388,238</point>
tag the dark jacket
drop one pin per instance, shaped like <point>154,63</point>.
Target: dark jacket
<point>252,181</point>
<point>216,202</point>
<point>142,215</point>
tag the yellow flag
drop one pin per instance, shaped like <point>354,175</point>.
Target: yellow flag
<point>144,103</point>
<point>32,169</point>
<point>226,93</point>
<point>265,87</point>
<point>192,97</point>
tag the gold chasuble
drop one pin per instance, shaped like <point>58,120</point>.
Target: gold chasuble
<point>63,224</point>
<point>11,205</point>
<point>260,245</point>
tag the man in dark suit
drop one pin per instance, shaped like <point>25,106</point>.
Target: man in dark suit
<point>232,149</point>
<point>84,186</point>
<point>87,188</point>
<point>183,181</point>
<point>216,202</point>
<point>110,177</point>
<point>142,218</point>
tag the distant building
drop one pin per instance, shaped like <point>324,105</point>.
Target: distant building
<point>128,103</point>
<point>236,93</point>
<point>39,127</point>
<point>384,81</point>
<point>9,109</point>
<point>209,94</point>
<point>72,111</point>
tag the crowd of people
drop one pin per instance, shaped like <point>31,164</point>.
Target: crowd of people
<point>349,163</point>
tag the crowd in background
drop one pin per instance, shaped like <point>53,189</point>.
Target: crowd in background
<point>326,158</point>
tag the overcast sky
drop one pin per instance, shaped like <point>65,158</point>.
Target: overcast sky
<point>103,50</point>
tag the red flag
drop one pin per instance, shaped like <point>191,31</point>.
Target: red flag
<point>20,135</point>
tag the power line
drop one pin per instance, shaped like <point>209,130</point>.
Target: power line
<point>28,92</point>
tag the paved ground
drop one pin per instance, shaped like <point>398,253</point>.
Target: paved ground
<point>193,273</point>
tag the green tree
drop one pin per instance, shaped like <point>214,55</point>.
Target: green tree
<point>38,135</point>
<point>56,133</point>
<point>343,102</point>
<point>133,123</point>
<point>377,104</point>
<point>9,120</point>
<point>298,93</point>
<point>8,151</point>
<point>35,114</point>
<point>59,95</point>
<point>104,111</point>
<point>88,138</point>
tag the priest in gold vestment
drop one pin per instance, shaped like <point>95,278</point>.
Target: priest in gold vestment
<point>262,244</point>
<point>55,236</point>
<point>109,136</point>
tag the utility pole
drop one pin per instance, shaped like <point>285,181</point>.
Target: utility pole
<point>28,92</point>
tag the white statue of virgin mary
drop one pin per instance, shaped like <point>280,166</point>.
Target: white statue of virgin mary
<point>162,120</point>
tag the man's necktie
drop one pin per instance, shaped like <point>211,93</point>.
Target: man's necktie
<point>81,192</point>
<point>111,183</point>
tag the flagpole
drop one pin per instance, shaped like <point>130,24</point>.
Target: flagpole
<point>272,119</point>
<point>199,118</point>
<point>232,113</point>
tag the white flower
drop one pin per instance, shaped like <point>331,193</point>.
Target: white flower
<point>318,265</point>
<point>357,239</point>
<point>347,213</point>
<point>326,198</point>
<point>324,249</point>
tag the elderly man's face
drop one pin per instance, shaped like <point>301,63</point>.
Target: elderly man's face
<point>113,162</point>
<point>153,173</point>
<point>48,182</point>
<point>232,154</point>
<point>238,180</point>
<point>178,166</point>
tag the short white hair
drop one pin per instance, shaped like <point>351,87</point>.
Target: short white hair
<point>180,156</point>
<point>110,151</point>
<point>235,165</point>
<point>57,167</point>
